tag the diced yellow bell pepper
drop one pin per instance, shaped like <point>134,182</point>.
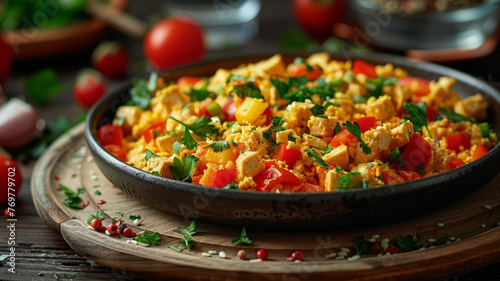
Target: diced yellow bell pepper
<point>250,110</point>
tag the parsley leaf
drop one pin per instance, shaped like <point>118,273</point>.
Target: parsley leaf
<point>238,77</point>
<point>242,239</point>
<point>183,171</point>
<point>141,93</point>
<point>150,238</point>
<point>190,230</point>
<point>454,117</point>
<point>73,200</point>
<point>201,127</point>
<point>355,130</point>
<point>339,169</point>
<point>375,87</point>
<point>418,115</point>
<point>291,138</point>
<point>396,158</point>
<point>281,86</point>
<point>420,168</point>
<point>134,217</point>
<point>150,154</point>
<point>200,94</point>
<point>276,145</point>
<point>96,216</point>
<point>316,158</point>
<point>232,185</point>
<point>361,245</point>
<point>318,110</point>
<point>219,146</point>
<point>486,129</point>
<point>408,243</point>
<point>247,90</point>
<point>344,180</point>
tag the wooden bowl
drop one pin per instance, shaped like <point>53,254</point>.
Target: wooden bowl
<point>350,208</point>
<point>31,43</point>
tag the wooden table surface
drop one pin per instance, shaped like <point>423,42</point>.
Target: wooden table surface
<point>41,253</point>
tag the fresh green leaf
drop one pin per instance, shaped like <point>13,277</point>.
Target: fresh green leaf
<point>486,130</point>
<point>420,168</point>
<point>150,154</point>
<point>418,115</point>
<point>362,246</point>
<point>316,158</point>
<point>441,241</point>
<point>176,147</point>
<point>291,138</point>
<point>344,180</point>
<point>276,145</point>
<point>317,110</point>
<point>175,249</point>
<point>247,90</point>
<point>243,239</point>
<point>119,213</point>
<point>42,85</point>
<point>188,140</point>
<point>150,238</point>
<point>155,173</point>
<point>73,200</point>
<point>339,169</point>
<point>454,117</point>
<point>238,77</point>
<point>397,159</point>
<point>232,185</point>
<point>201,127</point>
<point>188,242</point>
<point>98,193</point>
<point>159,134</point>
<point>134,217</point>
<point>375,86</point>
<point>337,128</point>
<point>188,231</point>
<point>408,243</point>
<point>219,146</point>
<point>355,130</point>
<point>141,93</point>
<point>183,171</point>
<point>281,87</point>
<point>324,149</point>
<point>200,95</point>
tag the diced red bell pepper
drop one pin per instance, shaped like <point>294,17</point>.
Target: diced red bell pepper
<point>366,123</point>
<point>418,150</point>
<point>455,163</point>
<point>409,176</point>
<point>156,127</point>
<point>110,134</point>
<point>418,86</point>
<point>456,140</point>
<point>308,187</point>
<point>290,156</point>
<point>117,151</point>
<point>297,70</point>
<point>229,109</point>
<point>269,113</point>
<point>480,151</point>
<point>392,177</point>
<point>217,178</point>
<point>361,67</point>
<point>345,137</point>
<point>273,175</point>
<point>188,81</point>
<point>203,108</point>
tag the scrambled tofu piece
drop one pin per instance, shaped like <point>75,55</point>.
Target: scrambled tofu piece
<point>401,135</point>
<point>161,165</point>
<point>165,143</point>
<point>272,66</point>
<point>368,173</point>
<point>322,127</point>
<point>399,95</point>
<point>166,100</point>
<point>339,156</point>
<point>441,94</point>
<point>248,164</point>
<point>379,138</point>
<point>331,181</point>
<point>382,108</point>
<point>300,113</point>
<point>439,158</point>
<point>320,59</point>
<point>127,117</point>
<point>473,107</point>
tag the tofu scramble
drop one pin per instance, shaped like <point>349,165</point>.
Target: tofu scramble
<point>314,125</point>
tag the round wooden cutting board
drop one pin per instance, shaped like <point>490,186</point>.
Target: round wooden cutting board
<point>470,225</point>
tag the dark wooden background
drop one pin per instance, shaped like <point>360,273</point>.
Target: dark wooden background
<point>40,252</point>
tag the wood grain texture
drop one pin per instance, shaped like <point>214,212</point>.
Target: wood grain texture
<point>467,220</point>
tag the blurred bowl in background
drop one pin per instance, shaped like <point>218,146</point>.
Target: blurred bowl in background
<point>460,28</point>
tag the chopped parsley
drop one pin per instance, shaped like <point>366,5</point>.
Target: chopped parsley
<point>150,154</point>
<point>324,149</point>
<point>243,239</point>
<point>188,233</point>
<point>134,217</point>
<point>486,129</point>
<point>418,115</point>
<point>362,246</point>
<point>375,87</point>
<point>408,243</point>
<point>276,145</point>
<point>344,180</point>
<point>232,185</point>
<point>420,168</point>
<point>291,138</point>
<point>183,170</point>
<point>201,94</point>
<point>98,193</point>
<point>396,158</point>
<point>242,90</point>
<point>142,92</point>
<point>201,127</point>
<point>73,200</point>
<point>316,158</point>
<point>318,111</point>
<point>454,117</point>
<point>98,215</point>
<point>355,130</point>
<point>150,238</point>
<point>219,146</point>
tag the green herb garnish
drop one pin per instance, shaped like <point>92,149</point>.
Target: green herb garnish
<point>134,217</point>
<point>150,238</point>
<point>98,215</point>
<point>355,130</point>
<point>201,127</point>
<point>232,185</point>
<point>454,117</point>
<point>408,243</point>
<point>344,180</point>
<point>73,200</point>
<point>150,154</point>
<point>184,170</point>
<point>418,115</point>
<point>219,146</point>
<point>397,159</point>
<point>362,246</point>
<point>242,239</point>
<point>316,158</point>
<point>142,92</point>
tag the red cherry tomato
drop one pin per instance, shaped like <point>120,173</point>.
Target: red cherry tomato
<point>361,67</point>
<point>456,140</point>
<point>6,58</point>
<point>417,151</point>
<point>455,163</point>
<point>89,87</point>
<point>297,70</point>
<point>110,134</point>
<point>295,255</point>
<point>174,41</point>
<point>110,59</point>
<point>480,151</point>
<point>418,86</point>
<point>317,17</point>
<point>117,151</point>
<point>12,180</point>
<point>262,254</point>
<point>158,127</point>
<point>272,175</point>
<point>8,211</point>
